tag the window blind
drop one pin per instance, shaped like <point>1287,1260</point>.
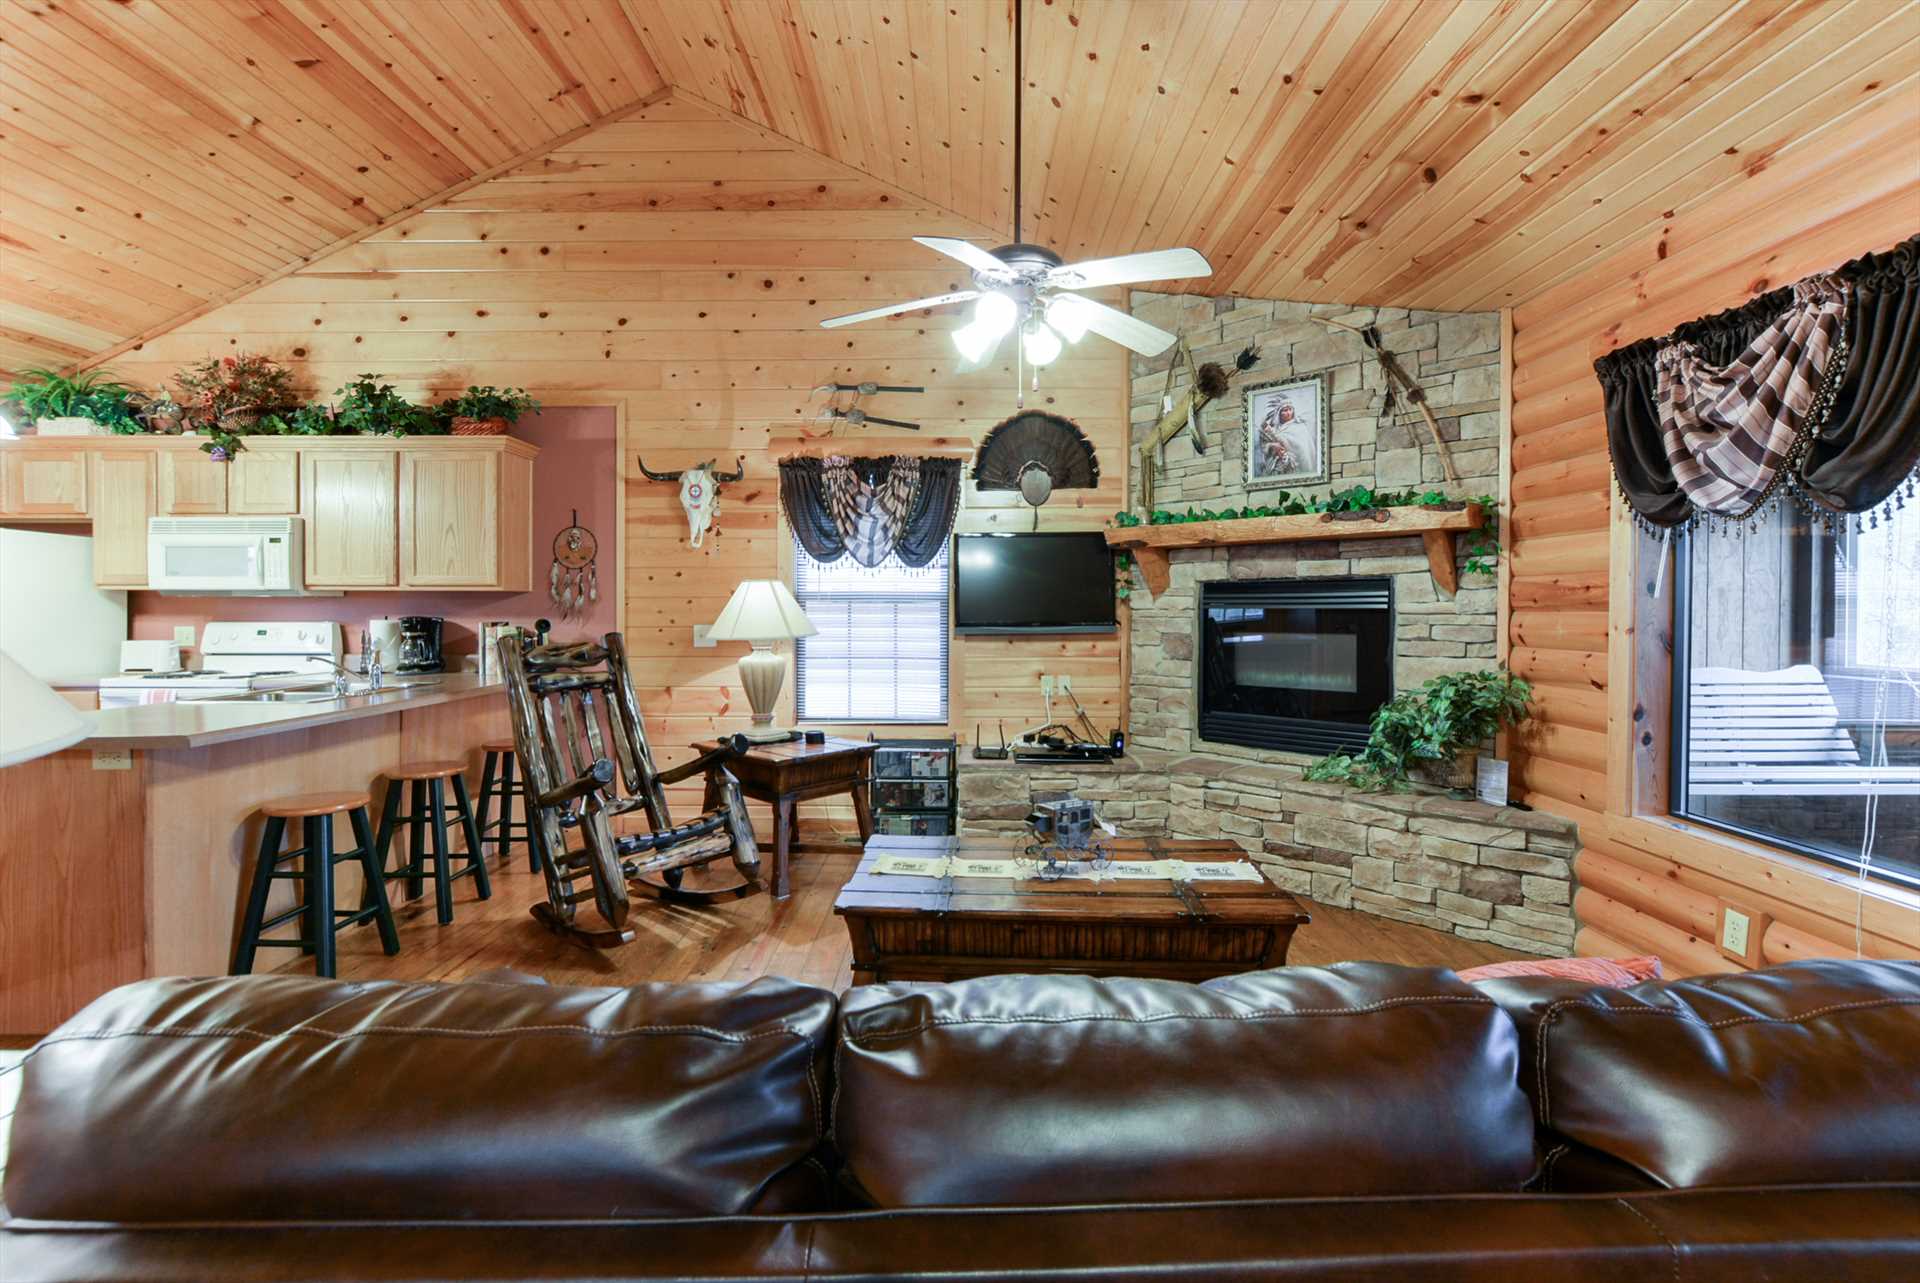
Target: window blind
<point>881,652</point>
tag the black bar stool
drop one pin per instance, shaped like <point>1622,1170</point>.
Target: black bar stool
<point>429,807</point>
<point>497,783</point>
<point>321,920</point>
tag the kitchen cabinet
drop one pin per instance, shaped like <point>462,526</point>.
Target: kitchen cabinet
<point>192,484</point>
<point>123,486</point>
<point>264,482</point>
<point>443,513</point>
<point>450,519</point>
<point>350,501</point>
<point>48,484</point>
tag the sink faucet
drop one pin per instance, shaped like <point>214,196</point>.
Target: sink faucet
<point>343,677</point>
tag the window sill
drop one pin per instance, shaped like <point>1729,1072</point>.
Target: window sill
<point>1669,836</point>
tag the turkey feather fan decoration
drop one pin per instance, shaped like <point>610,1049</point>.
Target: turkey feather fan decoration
<point>1036,437</point>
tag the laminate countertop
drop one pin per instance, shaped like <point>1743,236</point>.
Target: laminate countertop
<point>200,723</point>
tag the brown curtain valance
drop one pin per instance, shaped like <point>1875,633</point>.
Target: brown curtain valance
<point>871,508</point>
<point>1845,441</point>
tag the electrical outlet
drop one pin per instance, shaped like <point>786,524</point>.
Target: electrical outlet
<point>1734,926</point>
<point>1046,687</point>
<point>183,634</point>
<point>700,639</point>
<point>113,759</point>
<point>1064,683</point>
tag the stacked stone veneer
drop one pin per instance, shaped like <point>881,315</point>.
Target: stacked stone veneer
<point>1479,871</point>
<point>1488,873</point>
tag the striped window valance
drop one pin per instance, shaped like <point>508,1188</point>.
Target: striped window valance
<point>1812,390</point>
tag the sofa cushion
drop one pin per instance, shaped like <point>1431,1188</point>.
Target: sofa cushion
<point>1803,1073</point>
<point>1356,1079</point>
<point>277,1098</point>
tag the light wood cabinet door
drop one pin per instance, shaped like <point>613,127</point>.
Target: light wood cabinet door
<point>264,483</point>
<point>44,483</point>
<point>449,518</point>
<point>123,486</point>
<point>192,484</point>
<point>348,499</point>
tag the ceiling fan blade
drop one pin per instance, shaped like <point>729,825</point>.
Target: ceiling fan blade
<point>938,300</point>
<point>1129,332</point>
<point>1153,265</point>
<point>966,251</point>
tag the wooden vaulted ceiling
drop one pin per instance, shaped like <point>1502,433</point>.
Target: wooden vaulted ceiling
<point>157,156</point>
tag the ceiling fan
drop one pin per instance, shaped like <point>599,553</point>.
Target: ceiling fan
<point>1029,288</point>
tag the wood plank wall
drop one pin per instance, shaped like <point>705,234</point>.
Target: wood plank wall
<point>1647,885</point>
<point>676,263</point>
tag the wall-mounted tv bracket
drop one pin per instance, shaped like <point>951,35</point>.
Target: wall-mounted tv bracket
<point>851,412</point>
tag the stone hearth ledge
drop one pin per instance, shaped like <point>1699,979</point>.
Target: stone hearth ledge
<point>1481,872</point>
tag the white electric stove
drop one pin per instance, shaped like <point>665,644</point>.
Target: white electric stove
<point>236,658</point>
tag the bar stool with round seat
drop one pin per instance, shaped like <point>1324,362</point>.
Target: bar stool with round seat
<point>320,920</point>
<point>497,784</point>
<point>428,808</point>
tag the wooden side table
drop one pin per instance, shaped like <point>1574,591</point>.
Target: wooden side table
<point>794,772</point>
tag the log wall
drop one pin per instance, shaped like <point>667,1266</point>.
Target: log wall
<point>1646,883</point>
<point>676,264</point>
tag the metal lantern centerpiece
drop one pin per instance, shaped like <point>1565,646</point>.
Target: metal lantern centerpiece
<point>1066,830</point>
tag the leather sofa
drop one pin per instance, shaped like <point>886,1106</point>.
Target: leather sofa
<point>1361,1121</point>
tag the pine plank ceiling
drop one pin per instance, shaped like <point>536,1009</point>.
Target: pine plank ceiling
<point>157,156</point>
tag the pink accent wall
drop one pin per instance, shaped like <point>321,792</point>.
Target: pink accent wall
<point>578,467</point>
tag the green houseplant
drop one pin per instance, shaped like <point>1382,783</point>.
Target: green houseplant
<point>369,406</point>
<point>487,411</point>
<point>85,404</point>
<point>1433,733</point>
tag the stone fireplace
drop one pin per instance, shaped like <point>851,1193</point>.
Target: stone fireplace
<point>1308,638</point>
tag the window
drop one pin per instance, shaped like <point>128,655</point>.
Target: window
<point>881,652</point>
<point>1797,686</point>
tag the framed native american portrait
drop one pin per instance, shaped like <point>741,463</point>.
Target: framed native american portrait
<point>1287,432</point>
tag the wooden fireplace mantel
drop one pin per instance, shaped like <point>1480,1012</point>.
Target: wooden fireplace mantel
<point>1438,527</point>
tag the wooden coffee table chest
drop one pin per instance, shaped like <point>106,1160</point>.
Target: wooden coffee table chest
<point>919,928</point>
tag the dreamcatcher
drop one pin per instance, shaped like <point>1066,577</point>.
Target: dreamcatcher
<point>574,581</point>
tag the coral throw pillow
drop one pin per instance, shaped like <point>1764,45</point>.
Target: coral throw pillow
<point>1615,973</point>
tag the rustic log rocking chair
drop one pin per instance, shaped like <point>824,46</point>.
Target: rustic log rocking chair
<point>569,701</point>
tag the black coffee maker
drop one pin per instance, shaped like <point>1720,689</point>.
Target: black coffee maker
<point>419,648</point>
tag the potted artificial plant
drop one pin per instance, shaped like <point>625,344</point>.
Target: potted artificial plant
<point>226,397</point>
<point>488,411</point>
<point>84,405</point>
<point>369,406</point>
<point>1432,735</point>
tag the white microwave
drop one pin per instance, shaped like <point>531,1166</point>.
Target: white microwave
<point>253,555</point>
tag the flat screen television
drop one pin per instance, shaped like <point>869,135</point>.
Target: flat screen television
<point>1033,583</point>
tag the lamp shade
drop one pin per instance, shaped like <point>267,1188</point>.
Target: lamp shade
<point>761,610</point>
<point>34,720</point>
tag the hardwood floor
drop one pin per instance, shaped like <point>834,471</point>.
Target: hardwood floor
<point>799,937</point>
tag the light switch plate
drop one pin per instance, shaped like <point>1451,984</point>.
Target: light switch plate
<point>113,759</point>
<point>700,639</point>
<point>183,633</point>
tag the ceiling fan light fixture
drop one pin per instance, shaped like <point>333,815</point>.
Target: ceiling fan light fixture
<point>977,341</point>
<point>1042,345</point>
<point>1066,313</point>
<point>995,313</point>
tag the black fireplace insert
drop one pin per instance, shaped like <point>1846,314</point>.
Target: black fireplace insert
<point>1294,664</point>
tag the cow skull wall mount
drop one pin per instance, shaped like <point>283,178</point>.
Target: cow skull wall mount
<point>699,492</point>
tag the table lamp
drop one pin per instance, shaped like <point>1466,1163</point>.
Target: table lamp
<point>762,611</point>
<point>34,720</point>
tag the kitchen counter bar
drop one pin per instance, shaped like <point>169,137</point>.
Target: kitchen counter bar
<point>200,723</point>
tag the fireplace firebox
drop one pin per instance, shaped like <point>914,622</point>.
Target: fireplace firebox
<point>1296,665</point>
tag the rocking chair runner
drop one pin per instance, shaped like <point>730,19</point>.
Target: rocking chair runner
<point>569,701</point>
